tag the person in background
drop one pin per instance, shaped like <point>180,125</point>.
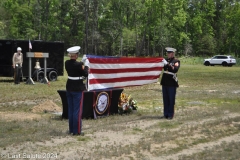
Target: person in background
<point>169,83</point>
<point>17,62</point>
<point>75,87</point>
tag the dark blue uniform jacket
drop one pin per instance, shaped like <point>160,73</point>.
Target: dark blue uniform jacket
<point>167,79</point>
<point>74,69</point>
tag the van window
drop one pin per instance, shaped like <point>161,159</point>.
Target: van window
<point>222,57</point>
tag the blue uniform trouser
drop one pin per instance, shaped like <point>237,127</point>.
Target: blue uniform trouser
<point>169,94</point>
<point>74,112</point>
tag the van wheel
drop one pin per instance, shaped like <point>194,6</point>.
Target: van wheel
<point>52,76</point>
<point>40,76</point>
<point>224,64</point>
<point>207,63</point>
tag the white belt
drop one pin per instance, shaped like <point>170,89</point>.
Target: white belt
<point>170,73</point>
<point>174,75</point>
<point>74,78</point>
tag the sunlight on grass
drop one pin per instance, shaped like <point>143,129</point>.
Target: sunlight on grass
<point>206,109</point>
<point>83,138</point>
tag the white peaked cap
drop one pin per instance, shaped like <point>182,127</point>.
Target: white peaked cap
<point>74,49</point>
<point>19,49</point>
<point>169,49</point>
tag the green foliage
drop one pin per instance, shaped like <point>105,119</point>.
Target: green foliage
<point>129,40</point>
<point>127,27</point>
<point>207,112</point>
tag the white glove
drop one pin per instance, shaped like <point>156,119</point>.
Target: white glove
<point>86,63</point>
<point>84,58</point>
<point>164,62</point>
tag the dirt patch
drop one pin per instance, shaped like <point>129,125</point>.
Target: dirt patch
<point>47,106</point>
<point>44,107</point>
<point>11,116</point>
<point>203,146</point>
<point>100,142</point>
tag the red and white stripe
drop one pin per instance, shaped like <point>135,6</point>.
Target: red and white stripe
<point>122,72</point>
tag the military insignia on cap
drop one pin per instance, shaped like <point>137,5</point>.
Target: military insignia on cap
<point>74,49</point>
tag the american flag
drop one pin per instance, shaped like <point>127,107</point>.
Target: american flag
<point>117,72</point>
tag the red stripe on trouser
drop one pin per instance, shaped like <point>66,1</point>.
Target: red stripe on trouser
<point>94,103</point>
<point>110,102</point>
<point>80,115</point>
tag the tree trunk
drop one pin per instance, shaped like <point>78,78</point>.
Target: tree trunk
<point>86,5</point>
<point>46,19</point>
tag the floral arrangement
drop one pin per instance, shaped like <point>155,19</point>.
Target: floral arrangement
<point>126,104</point>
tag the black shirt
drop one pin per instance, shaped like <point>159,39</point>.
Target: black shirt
<point>167,79</point>
<point>74,69</point>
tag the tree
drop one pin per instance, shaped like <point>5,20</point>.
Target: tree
<point>107,27</point>
<point>233,41</point>
<point>128,37</point>
<point>17,24</point>
<point>201,14</point>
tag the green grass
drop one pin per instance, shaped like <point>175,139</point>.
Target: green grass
<point>14,132</point>
<point>207,99</point>
<point>223,152</point>
<point>199,60</point>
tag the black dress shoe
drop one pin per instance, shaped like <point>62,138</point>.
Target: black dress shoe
<point>163,117</point>
<point>170,118</point>
<point>78,134</point>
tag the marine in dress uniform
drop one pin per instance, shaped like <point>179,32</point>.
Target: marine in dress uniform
<point>17,62</point>
<point>75,86</point>
<point>169,83</point>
